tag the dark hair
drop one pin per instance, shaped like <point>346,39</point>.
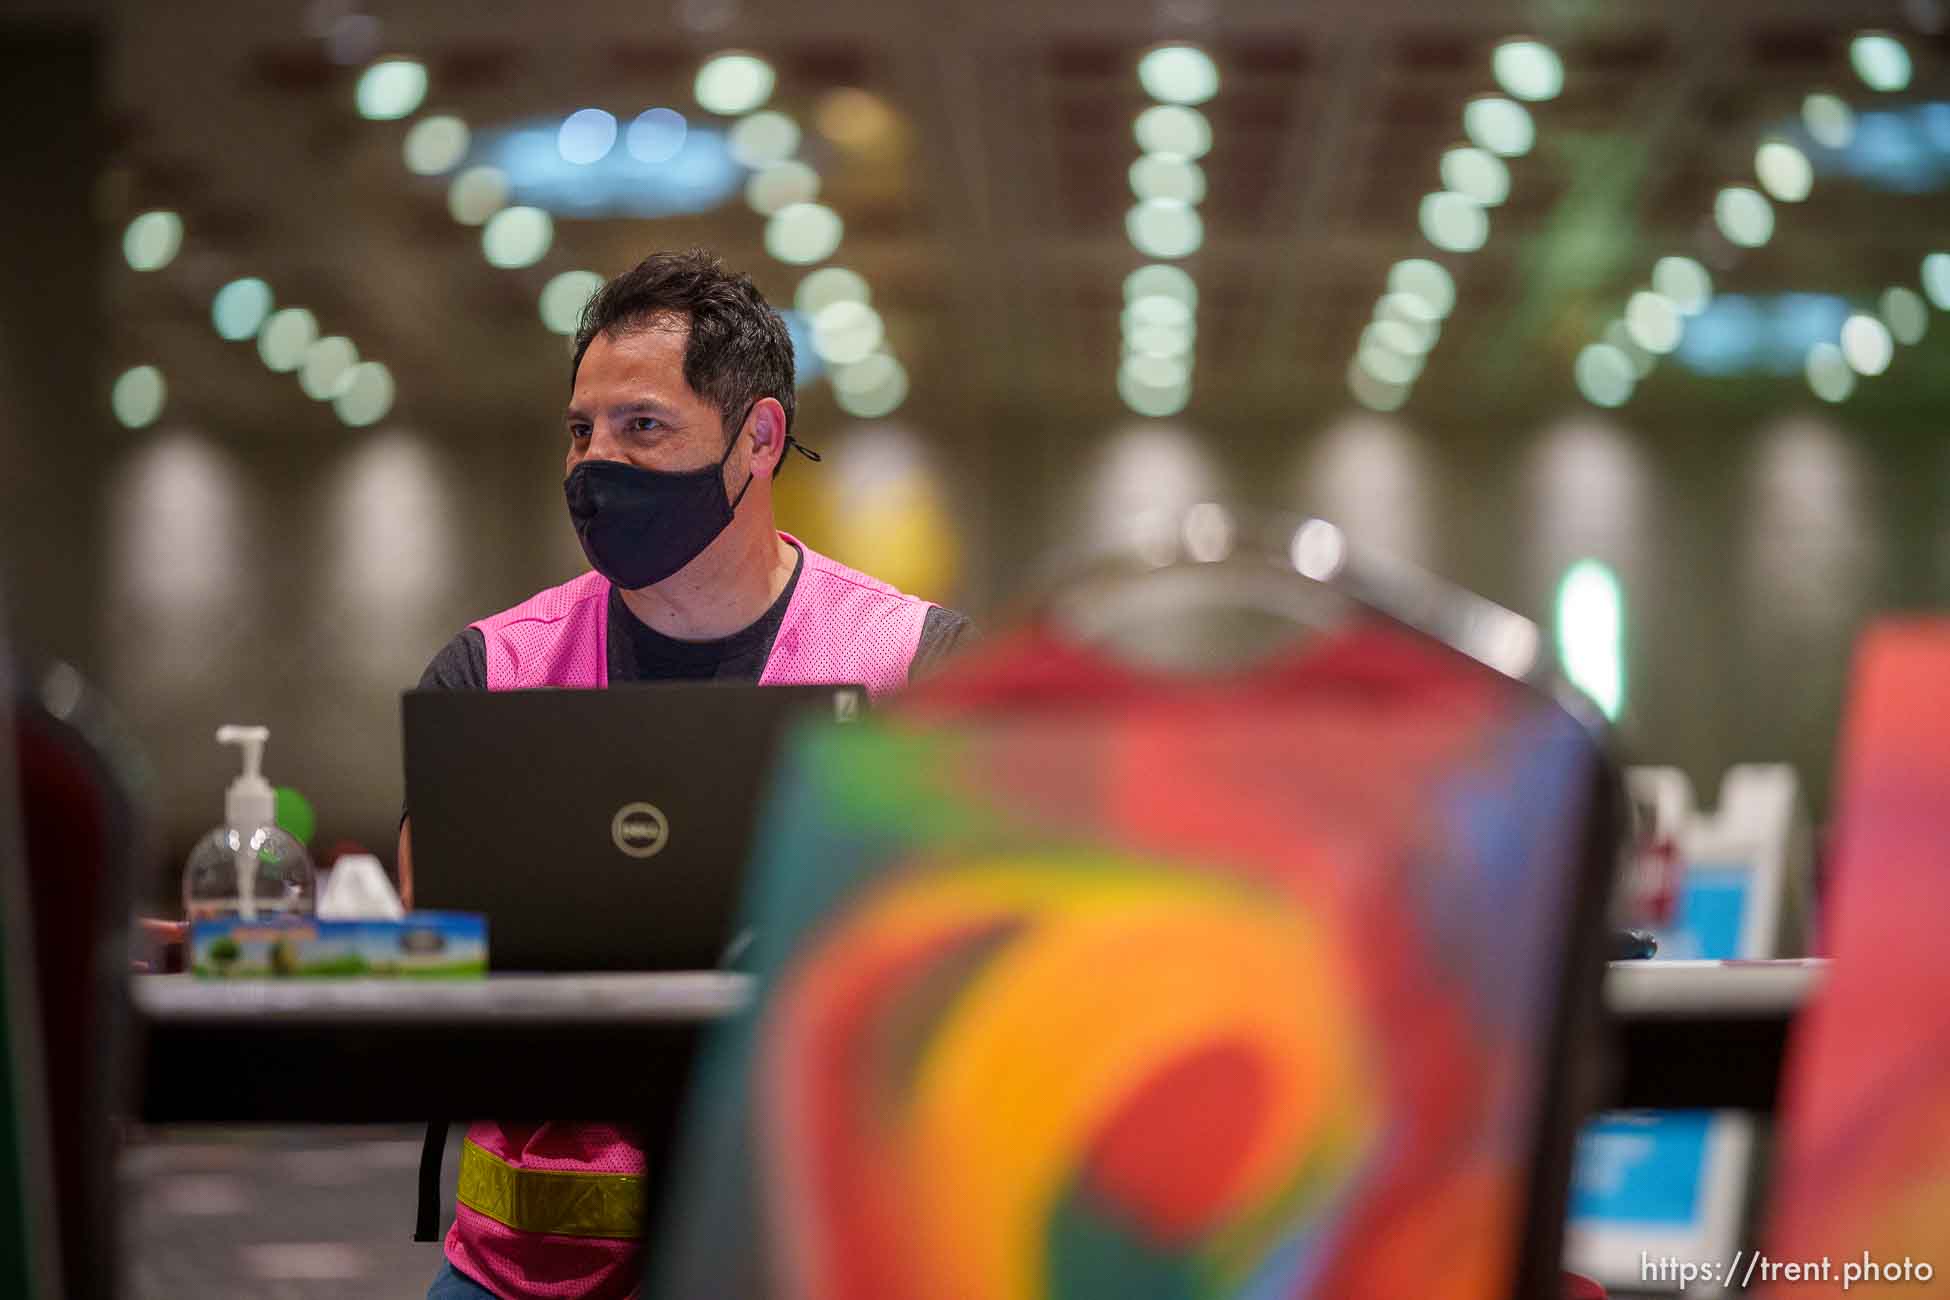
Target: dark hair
<point>738,350</point>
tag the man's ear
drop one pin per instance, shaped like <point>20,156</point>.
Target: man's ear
<point>766,428</point>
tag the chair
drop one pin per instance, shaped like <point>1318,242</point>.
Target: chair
<point>1148,953</point>
<point>81,836</point>
<point>1863,1173</point>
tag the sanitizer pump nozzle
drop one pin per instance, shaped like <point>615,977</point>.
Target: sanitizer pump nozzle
<point>249,805</point>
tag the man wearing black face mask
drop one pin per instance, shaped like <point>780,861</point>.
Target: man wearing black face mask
<point>679,416</point>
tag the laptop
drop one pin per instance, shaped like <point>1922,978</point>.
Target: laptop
<point>597,829</point>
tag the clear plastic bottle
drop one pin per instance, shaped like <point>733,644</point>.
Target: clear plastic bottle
<point>279,871</point>
<point>248,867</point>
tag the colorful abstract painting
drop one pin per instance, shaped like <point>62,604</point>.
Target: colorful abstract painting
<point>1863,1184</point>
<point>1081,983</point>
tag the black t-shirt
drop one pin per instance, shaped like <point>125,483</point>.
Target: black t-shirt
<point>640,653</point>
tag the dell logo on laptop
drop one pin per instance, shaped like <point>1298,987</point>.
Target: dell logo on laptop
<point>640,829</point>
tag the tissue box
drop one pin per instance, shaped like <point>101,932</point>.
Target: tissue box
<point>422,945</point>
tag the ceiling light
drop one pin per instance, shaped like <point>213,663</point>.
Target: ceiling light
<point>391,89</point>
<point>586,136</point>
<point>434,146</point>
<point>151,240</point>
<point>803,233</point>
<point>1744,216</point>
<point>1499,125</point>
<point>239,308</point>
<point>1880,60</point>
<point>1829,374</point>
<point>1162,228</point>
<point>1528,69</point>
<point>1167,176</point>
<point>1174,129</point>
<point>657,135</point>
<point>1784,171</point>
<point>1454,223</point>
<point>1685,282</point>
<point>517,237</point>
<point>138,395</point>
<point>731,84</point>
<point>1604,375</point>
<point>1866,345</point>
<point>1178,74</point>
<point>564,297</point>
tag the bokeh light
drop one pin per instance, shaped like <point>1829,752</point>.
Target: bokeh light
<point>1499,125</point>
<point>477,194</point>
<point>586,136</point>
<point>1880,60</point>
<point>1605,375</point>
<point>365,394</point>
<point>855,119</point>
<point>1829,374</point>
<point>845,333</point>
<point>1162,228</point>
<point>877,387</point>
<point>656,135</point>
<point>325,363</point>
<point>781,185</point>
<point>1427,280</point>
<point>1167,176</point>
<point>1906,314</point>
<point>1398,337</point>
<point>564,297</point>
<point>1528,69</point>
<point>1476,174</point>
<point>1744,216</point>
<point>1685,282</point>
<point>1784,171</point>
<point>391,89</point>
<point>1383,362</point>
<point>239,308</point>
<point>826,286</point>
<point>1454,223</point>
<point>285,337</point>
<point>1414,313</point>
<point>1178,74</point>
<point>803,233</point>
<point>1653,322</point>
<point>435,145</point>
<point>151,240</point>
<point>1936,280</point>
<point>1621,338</point>
<point>1159,280</point>
<point>137,397</point>
<point>732,84</point>
<point>517,237</point>
<point>1591,634</point>
<point>1830,121</point>
<point>1173,129</point>
<point>1373,393</point>
<point>1866,344</point>
<point>764,138</point>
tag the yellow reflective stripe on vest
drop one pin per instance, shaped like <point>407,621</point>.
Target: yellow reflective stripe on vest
<point>554,1201</point>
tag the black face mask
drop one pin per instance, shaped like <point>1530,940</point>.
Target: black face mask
<point>639,526</point>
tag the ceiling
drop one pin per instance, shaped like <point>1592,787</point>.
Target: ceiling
<point>993,235</point>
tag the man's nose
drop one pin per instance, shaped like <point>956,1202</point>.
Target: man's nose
<point>604,445</point>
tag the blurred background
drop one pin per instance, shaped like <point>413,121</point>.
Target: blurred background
<point>1625,315</point>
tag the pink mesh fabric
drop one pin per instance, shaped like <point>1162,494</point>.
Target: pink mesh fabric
<point>843,627</point>
<point>519,1265</point>
<point>557,637</point>
<point>840,626</point>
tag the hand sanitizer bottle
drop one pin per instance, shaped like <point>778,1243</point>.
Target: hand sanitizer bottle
<point>248,867</point>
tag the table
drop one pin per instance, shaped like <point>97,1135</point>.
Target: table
<point>599,1046</point>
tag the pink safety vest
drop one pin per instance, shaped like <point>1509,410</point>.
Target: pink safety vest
<point>840,626</point>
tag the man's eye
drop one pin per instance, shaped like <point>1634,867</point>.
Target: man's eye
<point>578,431</point>
<point>644,423</point>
